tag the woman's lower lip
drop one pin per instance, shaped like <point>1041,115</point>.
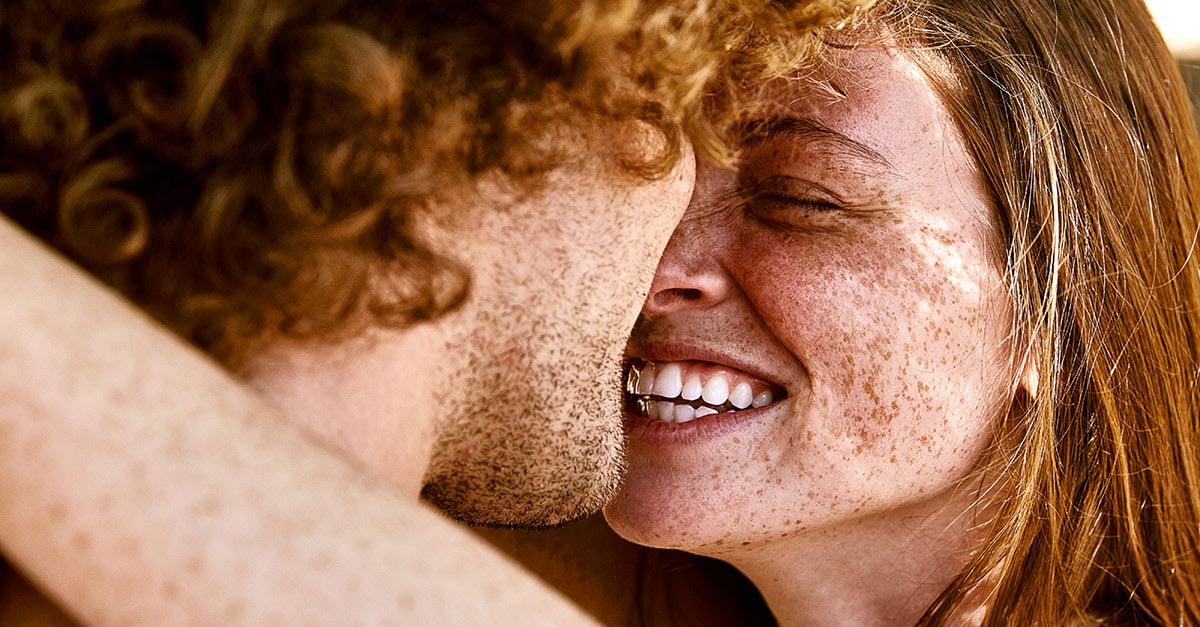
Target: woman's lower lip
<point>644,430</point>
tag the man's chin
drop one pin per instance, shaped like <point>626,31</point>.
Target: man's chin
<point>543,505</point>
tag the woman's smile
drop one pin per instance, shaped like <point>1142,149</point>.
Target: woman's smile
<point>682,391</point>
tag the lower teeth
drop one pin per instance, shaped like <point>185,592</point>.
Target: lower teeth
<point>668,411</point>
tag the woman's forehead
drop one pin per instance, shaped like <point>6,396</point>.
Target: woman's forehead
<point>873,101</point>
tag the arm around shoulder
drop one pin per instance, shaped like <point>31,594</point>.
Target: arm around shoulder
<point>140,483</point>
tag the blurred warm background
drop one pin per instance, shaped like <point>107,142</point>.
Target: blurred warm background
<point>1179,21</point>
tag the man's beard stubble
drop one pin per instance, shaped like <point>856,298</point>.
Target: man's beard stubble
<point>533,444</point>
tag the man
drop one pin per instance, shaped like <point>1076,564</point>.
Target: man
<point>200,162</point>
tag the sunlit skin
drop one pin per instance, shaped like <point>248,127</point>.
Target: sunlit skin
<point>506,411</point>
<point>852,259</point>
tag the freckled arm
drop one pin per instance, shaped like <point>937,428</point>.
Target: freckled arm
<point>140,484</point>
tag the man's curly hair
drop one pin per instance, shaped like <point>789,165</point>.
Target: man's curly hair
<point>241,166</point>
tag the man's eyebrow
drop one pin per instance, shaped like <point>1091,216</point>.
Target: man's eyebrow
<point>756,132</point>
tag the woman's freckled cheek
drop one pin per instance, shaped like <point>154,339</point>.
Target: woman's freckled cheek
<point>881,316</point>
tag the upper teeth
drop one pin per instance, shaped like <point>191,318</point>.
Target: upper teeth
<point>668,381</point>
<point>716,391</point>
<point>659,386</point>
<point>741,396</point>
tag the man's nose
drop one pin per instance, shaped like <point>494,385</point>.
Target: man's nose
<point>690,275</point>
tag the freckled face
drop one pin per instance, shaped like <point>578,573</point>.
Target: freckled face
<point>853,259</point>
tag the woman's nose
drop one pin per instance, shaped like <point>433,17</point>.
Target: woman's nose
<point>689,276</point>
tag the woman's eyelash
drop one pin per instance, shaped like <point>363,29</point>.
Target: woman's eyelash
<point>762,200</point>
<point>814,204</point>
<point>786,190</point>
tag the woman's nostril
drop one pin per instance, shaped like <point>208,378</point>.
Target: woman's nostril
<point>677,295</point>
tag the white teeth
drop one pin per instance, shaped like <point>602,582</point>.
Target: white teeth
<point>716,390</point>
<point>645,380</point>
<point>665,382</point>
<point>691,388</point>
<point>741,395</point>
<point>668,381</point>
<point>764,398</point>
<point>684,413</point>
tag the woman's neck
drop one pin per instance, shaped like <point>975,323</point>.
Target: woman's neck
<point>875,570</point>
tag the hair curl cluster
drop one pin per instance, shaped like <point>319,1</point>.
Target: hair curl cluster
<point>242,166</point>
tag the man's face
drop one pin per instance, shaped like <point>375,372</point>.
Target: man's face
<point>531,431</point>
<point>514,398</point>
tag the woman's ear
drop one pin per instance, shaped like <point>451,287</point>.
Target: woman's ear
<point>1028,381</point>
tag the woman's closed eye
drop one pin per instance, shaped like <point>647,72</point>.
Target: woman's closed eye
<point>789,202</point>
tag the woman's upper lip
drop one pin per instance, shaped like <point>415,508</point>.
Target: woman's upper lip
<point>675,351</point>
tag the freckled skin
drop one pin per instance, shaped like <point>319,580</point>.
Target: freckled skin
<point>885,319</point>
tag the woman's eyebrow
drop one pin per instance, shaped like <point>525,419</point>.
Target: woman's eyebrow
<point>758,131</point>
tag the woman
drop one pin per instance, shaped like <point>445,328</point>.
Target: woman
<point>929,353</point>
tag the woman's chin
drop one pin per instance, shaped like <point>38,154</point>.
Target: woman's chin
<point>655,520</point>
